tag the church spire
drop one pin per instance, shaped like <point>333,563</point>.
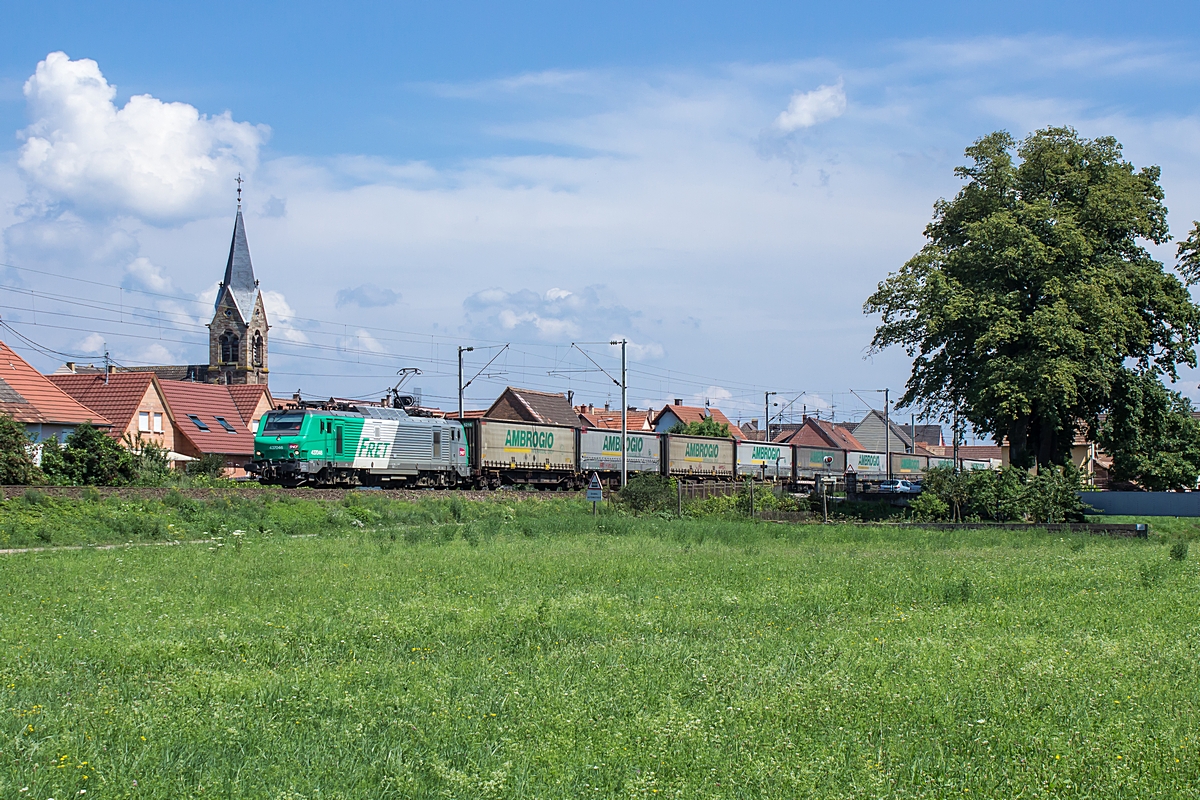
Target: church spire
<point>239,271</point>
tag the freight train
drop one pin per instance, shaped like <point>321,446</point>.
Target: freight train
<point>389,447</point>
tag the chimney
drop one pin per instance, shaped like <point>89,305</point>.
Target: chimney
<point>570,397</point>
<point>678,402</point>
<point>71,366</point>
<point>606,408</point>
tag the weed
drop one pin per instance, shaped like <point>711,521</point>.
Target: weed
<point>1179,549</point>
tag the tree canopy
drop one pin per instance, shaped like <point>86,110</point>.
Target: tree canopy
<point>1151,435</point>
<point>1035,296</point>
<point>16,462</point>
<point>704,427</point>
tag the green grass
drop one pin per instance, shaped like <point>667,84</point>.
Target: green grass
<point>533,651</point>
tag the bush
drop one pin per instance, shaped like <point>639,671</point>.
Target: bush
<point>92,458</point>
<point>16,463</point>
<point>647,492</point>
<point>928,507</point>
<point>1179,549</point>
<point>210,465</point>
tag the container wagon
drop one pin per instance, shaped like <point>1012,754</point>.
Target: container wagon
<point>600,452</point>
<point>506,453</point>
<point>699,457</point>
<point>765,460</point>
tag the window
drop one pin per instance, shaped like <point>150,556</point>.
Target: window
<point>286,422</point>
<point>437,443</point>
<point>229,347</point>
<point>143,422</point>
<point>339,440</point>
<point>158,422</point>
<point>198,422</point>
<point>225,424</point>
<point>258,349</point>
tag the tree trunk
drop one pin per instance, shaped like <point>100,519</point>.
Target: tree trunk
<point>1018,442</point>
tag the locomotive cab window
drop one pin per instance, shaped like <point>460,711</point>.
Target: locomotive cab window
<point>287,422</point>
<point>339,439</point>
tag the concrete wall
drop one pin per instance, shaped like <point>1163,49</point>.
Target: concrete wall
<point>1145,504</point>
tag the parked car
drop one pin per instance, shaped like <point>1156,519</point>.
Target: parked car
<point>898,487</point>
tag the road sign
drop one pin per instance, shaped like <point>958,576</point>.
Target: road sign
<point>595,490</point>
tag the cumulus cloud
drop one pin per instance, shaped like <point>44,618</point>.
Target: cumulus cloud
<point>159,161</point>
<point>811,108</point>
<point>281,316</point>
<point>93,343</point>
<point>367,295</point>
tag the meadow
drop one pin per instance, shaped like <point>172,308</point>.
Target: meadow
<point>526,649</point>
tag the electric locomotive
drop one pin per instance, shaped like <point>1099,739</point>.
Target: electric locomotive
<point>359,446</point>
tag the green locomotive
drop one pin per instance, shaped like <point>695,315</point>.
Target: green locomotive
<point>359,446</point>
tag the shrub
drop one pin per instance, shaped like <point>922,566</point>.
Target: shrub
<point>209,465</point>
<point>92,458</point>
<point>647,492</point>
<point>928,507</point>
<point>16,463</point>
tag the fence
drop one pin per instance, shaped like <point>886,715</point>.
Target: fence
<point>1144,504</point>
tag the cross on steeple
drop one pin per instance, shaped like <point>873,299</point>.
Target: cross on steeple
<point>239,183</point>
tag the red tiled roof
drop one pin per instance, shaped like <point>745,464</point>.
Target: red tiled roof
<point>689,414</point>
<point>117,400</point>
<point>820,433</point>
<point>611,420</point>
<point>207,402</point>
<point>246,397</point>
<point>28,396</point>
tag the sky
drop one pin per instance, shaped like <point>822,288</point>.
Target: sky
<point>721,186</point>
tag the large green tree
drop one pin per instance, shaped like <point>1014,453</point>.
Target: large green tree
<point>1035,292</point>
<point>1151,435</point>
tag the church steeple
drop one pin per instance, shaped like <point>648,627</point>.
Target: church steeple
<point>237,336</point>
<point>239,270</point>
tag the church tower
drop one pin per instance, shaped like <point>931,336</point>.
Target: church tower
<point>237,336</point>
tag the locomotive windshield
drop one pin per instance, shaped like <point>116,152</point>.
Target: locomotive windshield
<point>287,422</point>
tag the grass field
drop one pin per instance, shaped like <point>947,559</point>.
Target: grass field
<point>538,652</point>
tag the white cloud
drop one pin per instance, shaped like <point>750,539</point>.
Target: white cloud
<point>280,316</point>
<point>93,343</point>
<point>810,108</point>
<point>159,161</point>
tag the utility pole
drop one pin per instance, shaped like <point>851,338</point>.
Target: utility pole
<point>887,433</point>
<point>461,350</point>
<point>767,415</point>
<point>106,367</point>
<point>624,414</point>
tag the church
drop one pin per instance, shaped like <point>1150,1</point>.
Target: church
<point>237,335</point>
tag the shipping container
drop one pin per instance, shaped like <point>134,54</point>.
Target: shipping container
<point>699,456</point>
<point>767,460</point>
<point>940,462</point>
<point>600,451</point>
<point>969,464</point>
<point>905,464</point>
<point>810,461</point>
<point>865,463</point>
<point>524,446</point>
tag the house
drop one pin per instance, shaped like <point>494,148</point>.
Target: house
<point>675,413</point>
<point>252,401</point>
<point>208,422</point>
<point>927,435</point>
<point>870,432</point>
<point>815,432</point>
<point>132,401</point>
<point>46,411</point>
<point>610,419</point>
<point>528,405</point>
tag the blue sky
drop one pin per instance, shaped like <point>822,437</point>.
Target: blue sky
<point>722,185</point>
